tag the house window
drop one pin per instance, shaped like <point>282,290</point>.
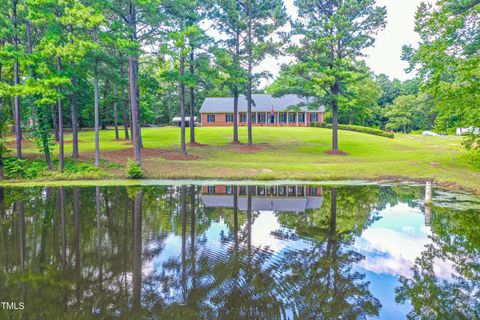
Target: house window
<point>271,191</point>
<point>210,118</point>
<point>313,117</point>
<point>229,190</point>
<point>243,190</point>
<point>254,118</point>
<point>243,117</point>
<point>291,117</point>
<point>229,118</point>
<point>211,189</point>
<point>291,191</point>
<point>261,191</point>
<point>283,117</point>
<point>300,191</point>
<point>261,117</point>
<point>312,191</point>
<point>301,117</point>
<point>272,118</point>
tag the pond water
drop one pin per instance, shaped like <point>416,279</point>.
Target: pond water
<point>239,252</point>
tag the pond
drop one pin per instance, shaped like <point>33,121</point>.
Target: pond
<point>239,252</point>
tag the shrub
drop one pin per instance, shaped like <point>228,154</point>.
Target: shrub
<point>14,168</point>
<point>31,169</point>
<point>134,171</point>
<point>347,127</point>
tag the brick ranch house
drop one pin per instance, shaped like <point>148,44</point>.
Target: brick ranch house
<point>289,110</point>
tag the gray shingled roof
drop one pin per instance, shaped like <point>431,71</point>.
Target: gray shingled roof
<point>263,204</point>
<point>262,103</point>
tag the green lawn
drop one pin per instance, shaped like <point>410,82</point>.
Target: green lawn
<point>293,153</point>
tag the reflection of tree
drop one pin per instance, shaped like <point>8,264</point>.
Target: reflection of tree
<point>112,262</point>
<point>455,242</point>
<point>319,281</point>
<point>231,283</point>
<point>137,251</point>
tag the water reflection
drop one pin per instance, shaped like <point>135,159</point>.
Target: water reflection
<point>238,252</point>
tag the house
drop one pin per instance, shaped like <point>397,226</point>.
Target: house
<point>289,110</point>
<point>264,198</point>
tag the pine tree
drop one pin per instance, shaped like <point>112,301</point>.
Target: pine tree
<point>334,33</point>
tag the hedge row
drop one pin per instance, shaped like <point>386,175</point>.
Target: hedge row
<point>376,132</point>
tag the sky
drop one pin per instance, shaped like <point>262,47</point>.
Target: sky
<point>384,56</point>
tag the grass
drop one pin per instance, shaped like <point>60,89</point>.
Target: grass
<point>290,153</point>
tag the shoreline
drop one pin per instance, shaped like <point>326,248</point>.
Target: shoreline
<point>246,181</point>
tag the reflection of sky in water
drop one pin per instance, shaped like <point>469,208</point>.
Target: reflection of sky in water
<point>390,246</point>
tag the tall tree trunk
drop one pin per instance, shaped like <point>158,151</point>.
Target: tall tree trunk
<point>43,123</point>
<point>97,106</point>
<point>40,116</point>
<point>125,115</point>
<point>115,111</point>
<point>60,121</point>
<point>182,104</point>
<point>249,111</point>
<point>235,89</point>
<point>16,81</point>
<point>97,117</point>
<point>250,76</point>
<point>55,123</point>
<point>74,115</point>
<point>235,114</point>
<point>335,91</point>
<point>104,106</point>
<point>133,89</point>
<point>73,99</point>
<point>192,99</point>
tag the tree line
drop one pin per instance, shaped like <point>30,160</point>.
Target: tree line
<point>75,63</point>
<point>72,64</point>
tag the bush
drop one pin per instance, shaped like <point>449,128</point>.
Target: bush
<point>31,169</point>
<point>347,127</point>
<point>134,171</point>
<point>14,168</point>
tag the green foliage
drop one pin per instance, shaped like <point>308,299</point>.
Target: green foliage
<point>409,113</point>
<point>471,141</point>
<point>14,168</point>
<point>361,129</point>
<point>447,60</point>
<point>26,169</point>
<point>134,170</point>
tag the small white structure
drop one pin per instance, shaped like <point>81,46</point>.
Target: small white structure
<point>428,193</point>
<point>430,133</point>
<point>177,121</point>
<point>462,131</point>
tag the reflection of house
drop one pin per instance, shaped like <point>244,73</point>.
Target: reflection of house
<point>264,198</point>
